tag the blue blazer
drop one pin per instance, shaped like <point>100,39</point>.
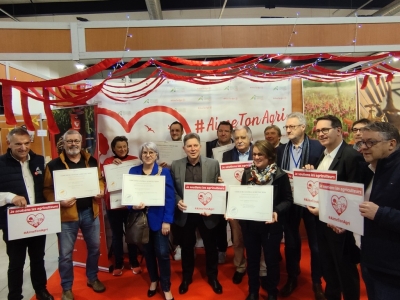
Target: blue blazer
<point>160,214</point>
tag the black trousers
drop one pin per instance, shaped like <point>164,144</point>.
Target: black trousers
<point>339,268</point>
<point>189,241</point>
<point>16,251</point>
<point>257,236</point>
<point>222,238</point>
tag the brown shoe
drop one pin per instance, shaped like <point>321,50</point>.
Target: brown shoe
<point>67,295</point>
<point>318,293</point>
<point>97,286</point>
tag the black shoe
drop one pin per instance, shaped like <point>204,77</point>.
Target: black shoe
<point>151,293</point>
<point>44,295</point>
<point>238,277</point>
<point>272,297</point>
<point>318,293</point>
<point>253,297</point>
<point>263,282</point>
<point>184,287</point>
<point>289,287</point>
<point>216,286</point>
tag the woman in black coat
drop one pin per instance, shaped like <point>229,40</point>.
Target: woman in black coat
<point>265,236</point>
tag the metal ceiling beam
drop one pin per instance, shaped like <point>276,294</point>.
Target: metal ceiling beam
<point>10,16</point>
<point>154,9</point>
<point>389,10</point>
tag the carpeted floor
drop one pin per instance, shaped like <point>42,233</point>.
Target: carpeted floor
<point>134,287</point>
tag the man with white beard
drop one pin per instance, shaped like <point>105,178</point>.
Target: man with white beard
<point>75,215</point>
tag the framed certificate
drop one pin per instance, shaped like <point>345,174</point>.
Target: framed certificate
<point>232,172</point>
<point>250,202</point>
<point>33,220</point>
<point>78,183</point>
<point>113,173</point>
<point>205,197</point>
<point>140,188</point>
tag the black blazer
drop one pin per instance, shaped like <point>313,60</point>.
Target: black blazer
<point>232,155</point>
<point>316,149</point>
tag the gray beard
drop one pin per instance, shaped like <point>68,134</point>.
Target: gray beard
<point>72,151</point>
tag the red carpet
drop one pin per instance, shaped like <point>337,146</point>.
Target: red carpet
<point>134,287</point>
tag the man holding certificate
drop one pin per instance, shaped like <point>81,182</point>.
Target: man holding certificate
<point>81,213</point>
<point>195,168</point>
<point>260,235</point>
<point>380,244</point>
<point>21,183</point>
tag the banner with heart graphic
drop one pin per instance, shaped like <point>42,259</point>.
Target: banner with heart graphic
<point>33,220</point>
<point>338,204</point>
<point>205,197</point>
<point>306,185</point>
<point>199,108</point>
<point>232,172</point>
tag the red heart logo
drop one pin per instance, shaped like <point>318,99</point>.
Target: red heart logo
<point>204,198</point>
<point>35,220</point>
<point>312,187</point>
<point>238,175</point>
<point>339,204</point>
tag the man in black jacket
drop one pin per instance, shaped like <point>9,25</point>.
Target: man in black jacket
<point>380,244</point>
<point>21,183</point>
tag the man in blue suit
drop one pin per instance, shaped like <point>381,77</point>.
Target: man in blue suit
<point>299,151</point>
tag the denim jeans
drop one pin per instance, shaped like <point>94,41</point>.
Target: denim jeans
<point>117,218</point>
<point>157,251</point>
<point>380,286</point>
<point>90,228</point>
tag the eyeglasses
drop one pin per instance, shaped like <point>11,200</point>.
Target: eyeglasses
<point>70,142</point>
<point>368,143</point>
<point>149,153</point>
<point>323,130</point>
<point>291,127</point>
<point>358,129</point>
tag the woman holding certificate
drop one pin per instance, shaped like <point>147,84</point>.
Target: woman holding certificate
<point>156,251</point>
<point>266,236</point>
<point>118,217</point>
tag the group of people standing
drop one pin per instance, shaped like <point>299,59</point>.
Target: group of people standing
<point>335,252</point>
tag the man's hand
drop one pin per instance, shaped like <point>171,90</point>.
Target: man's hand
<point>336,229</point>
<point>98,197</point>
<point>68,203</point>
<point>220,180</point>
<point>205,214</point>
<point>19,201</point>
<point>182,206</point>
<point>313,210</point>
<point>308,167</point>
<point>368,209</point>
<point>163,164</point>
<point>274,218</point>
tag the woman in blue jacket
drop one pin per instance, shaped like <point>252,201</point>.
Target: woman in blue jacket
<point>160,218</point>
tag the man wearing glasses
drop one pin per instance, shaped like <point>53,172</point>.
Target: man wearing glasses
<point>380,263</point>
<point>337,248</point>
<point>357,130</point>
<point>76,214</point>
<point>298,152</point>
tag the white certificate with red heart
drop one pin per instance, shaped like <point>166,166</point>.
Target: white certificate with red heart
<point>205,197</point>
<point>33,220</point>
<point>250,202</point>
<point>232,172</point>
<point>306,185</point>
<point>338,204</point>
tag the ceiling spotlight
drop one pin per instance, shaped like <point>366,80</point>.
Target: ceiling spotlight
<point>395,59</point>
<point>287,61</point>
<point>80,66</point>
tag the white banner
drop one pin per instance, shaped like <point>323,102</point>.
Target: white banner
<point>33,220</point>
<point>306,185</point>
<point>338,204</point>
<point>199,108</point>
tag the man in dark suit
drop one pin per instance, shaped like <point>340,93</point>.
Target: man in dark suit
<point>273,135</point>
<point>299,151</point>
<point>224,133</point>
<point>195,168</point>
<point>338,251</point>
